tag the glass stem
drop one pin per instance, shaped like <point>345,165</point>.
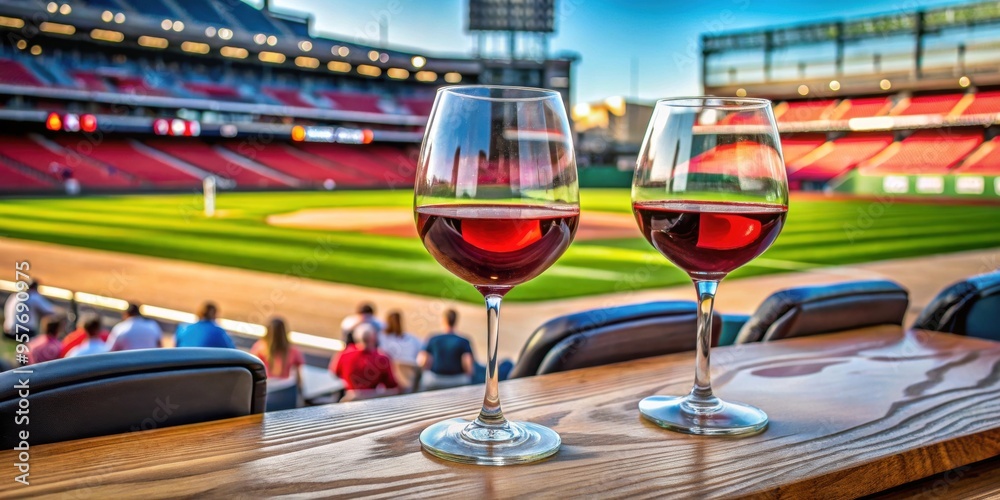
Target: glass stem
<point>492,414</point>
<point>701,395</point>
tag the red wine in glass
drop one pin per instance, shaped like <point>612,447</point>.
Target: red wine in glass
<point>708,239</point>
<point>496,246</point>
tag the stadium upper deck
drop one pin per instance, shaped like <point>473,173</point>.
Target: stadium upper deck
<point>86,85</point>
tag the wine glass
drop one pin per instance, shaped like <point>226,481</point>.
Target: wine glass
<point>496,202</point>
<point>710,194</point>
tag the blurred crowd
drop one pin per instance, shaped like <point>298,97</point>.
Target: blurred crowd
<point>380,357</point>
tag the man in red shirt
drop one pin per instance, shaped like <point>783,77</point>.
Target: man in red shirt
<point>365,368</point>
<point>78,336</point>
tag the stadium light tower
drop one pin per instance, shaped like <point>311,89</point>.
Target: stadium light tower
<point>525,26</point>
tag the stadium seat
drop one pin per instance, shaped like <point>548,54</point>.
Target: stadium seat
<point>14,179</point>
<point>926,152</point>
<point>42,155</point>
<point>939,104</point>
<point>418,106</point>
<point>91,81</point>
<point>214,91</point>
<point>795,146</point>
<point>207,158</point>
<point>970,307</point>
<point>351,101</point>
<point>804,111</point>
<point>123,156</point>
<point>371,165</point>
<point>14,73</point>
<point>985,160</point>
<point>862,107</point>
<point>984,103</point>
<point>610,335</point>
<point>128,391</point>
<point>838,156</point>
<point>294,162</point>
<point>811,310</point>
<point>290,97</point>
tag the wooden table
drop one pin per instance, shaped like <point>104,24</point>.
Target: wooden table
<point>851,414</point>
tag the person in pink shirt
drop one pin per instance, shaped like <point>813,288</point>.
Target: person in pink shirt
<point>281,359</point>
<point>46,346</point>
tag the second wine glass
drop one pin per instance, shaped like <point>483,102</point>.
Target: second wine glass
<point>710,194</point>
<point>496,203</point>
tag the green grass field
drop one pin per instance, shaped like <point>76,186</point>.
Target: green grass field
<point>818,233</point>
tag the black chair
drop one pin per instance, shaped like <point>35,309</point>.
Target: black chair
<point>610,335</point>
<point>970,307</point>
<point>127,391</point>
<point>811,310</point>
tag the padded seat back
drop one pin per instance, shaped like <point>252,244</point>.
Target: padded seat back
<point>970,307</point>
<point>129,391</point>
<point>610,335</point>
<point>811,310</point>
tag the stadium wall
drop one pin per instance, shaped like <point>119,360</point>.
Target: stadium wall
<point>960,186</point>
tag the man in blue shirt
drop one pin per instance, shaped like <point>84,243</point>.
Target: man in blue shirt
<point>204,333</point>
<point>446,358</point>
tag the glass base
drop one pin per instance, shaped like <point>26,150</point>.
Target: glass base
<point>720,419</point>
<point>460,440</point>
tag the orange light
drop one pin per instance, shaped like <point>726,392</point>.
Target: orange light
<point>367,136</point>
<point>88,123</point>
<point>53,122</point>
<point>298,133</point>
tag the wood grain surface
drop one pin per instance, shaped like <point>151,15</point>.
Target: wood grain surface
<point>851,414</point>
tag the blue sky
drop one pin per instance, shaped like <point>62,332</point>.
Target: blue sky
<point>662,34</point>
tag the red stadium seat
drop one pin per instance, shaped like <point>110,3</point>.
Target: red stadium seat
<point>804,111</point>
<point>350,101</point>
<point>122,155</point>
<point>418,106</point>
<point>290,97</point>
<point>299,164</point>
<point>137,85</point>
<point>91,81</point>
<point>205,157</point>
<point>864,107</point>
<point>795,146</point>
<point>377,165</point>
<point>985,160</point>
<point>14,73</point>
<point>984,103</point>
<point>939,104</point>
<point>926,152</point>
<point>28,151</point>
<point>214,91</point>
<point>843,155</point>
<point>14,179</point>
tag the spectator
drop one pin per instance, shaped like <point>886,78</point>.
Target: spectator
<point>204,333</point>
<point>135,332</point>
<point>36,308</point>
<point>364,314</point>
<point>397,344</point>
<point>447,358</point>
<point>280,358</point>
<point>45,347</point>
<point>94,344</point>
<point>365,368</point>
<point>80,335</point>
